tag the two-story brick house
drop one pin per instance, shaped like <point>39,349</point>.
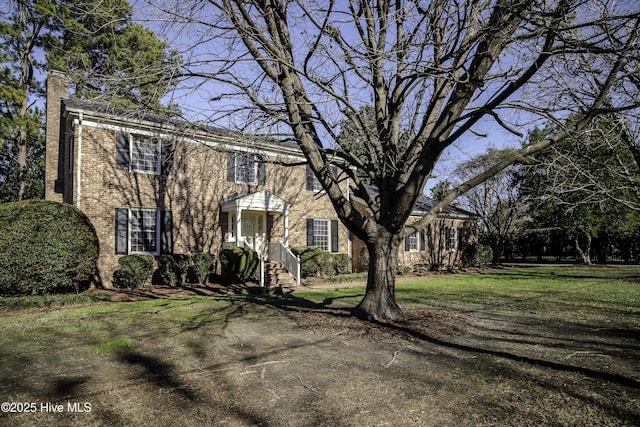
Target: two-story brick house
<point>153,185</point>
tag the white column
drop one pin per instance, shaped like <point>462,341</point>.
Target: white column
<point>286,226</point>
<point>238,223</point>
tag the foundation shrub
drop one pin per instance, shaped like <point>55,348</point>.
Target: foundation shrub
<point>134,271</point>
<point>238,264</point>
<point>201,263</point>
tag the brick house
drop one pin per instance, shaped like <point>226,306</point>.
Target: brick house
<point>441,244</point>
<point>153,185</point>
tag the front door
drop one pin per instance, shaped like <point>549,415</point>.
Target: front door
<point>252,231</point>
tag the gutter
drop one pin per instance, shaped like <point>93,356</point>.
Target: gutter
<point>78,122</point>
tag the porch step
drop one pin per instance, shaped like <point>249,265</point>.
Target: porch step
<point>278,276</point>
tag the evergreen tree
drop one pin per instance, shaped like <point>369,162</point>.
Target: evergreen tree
<point>105,54</point>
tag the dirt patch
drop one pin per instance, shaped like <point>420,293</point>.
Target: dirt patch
<point>418,324</point>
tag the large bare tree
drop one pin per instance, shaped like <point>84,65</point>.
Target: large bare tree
<point>433,71</point>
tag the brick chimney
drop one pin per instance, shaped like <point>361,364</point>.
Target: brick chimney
<point>57,88</point>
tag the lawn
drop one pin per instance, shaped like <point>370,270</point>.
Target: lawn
<point>538,346</point>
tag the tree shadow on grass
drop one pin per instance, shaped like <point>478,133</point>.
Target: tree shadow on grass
<point>161,374</point>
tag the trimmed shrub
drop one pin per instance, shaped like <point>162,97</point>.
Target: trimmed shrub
<point>45,247</point>
<point>167,273</point>
<point>480,255</point>
<point>238,264</point>
<point>201,265</point>
<point>134,271</point>
<point>341,263</point>
<point>311,260</point>
<point>316,262</point>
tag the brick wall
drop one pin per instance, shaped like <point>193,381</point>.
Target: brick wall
<point>192,193</point>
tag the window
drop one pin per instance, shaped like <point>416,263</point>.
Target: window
<point>145,155</point>
<point>143,230</point>
<point>412,242</point>
<point>312,181</point>
<point>415,242</point>
<point>451,234</point>
<point>140,153</point>
<point>323,233</point>
<point>246,168</point>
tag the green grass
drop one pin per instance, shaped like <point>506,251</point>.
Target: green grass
<point>47,301</point>
<point>546,346</point>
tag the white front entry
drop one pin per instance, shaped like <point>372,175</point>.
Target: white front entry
<point>252,230</point>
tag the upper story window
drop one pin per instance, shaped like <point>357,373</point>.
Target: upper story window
<point>246,168</point>
<point>145,154</point>
<point>141,153</point>
<point>313,183</point>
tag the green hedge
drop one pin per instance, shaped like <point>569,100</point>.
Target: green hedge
<point>316,262</point>
<point>201,265</point>
<point>239,264</point>
<point>45,247</point>
<point>134,271</point>
<point>175,269</point>
<point>478,255</point>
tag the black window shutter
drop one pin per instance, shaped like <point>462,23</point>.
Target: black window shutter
<point>123,159</point>
<point>422,241</point>
<point>166,232</point>
<point>122,230</point>
<point>334,235</point>
<point>310,178</point>
<point>166,153</point>
<point>231,166</point>
<point>406,243</point>
<point>309,232</point>
<point>262,170</point>
<point>447,244</point>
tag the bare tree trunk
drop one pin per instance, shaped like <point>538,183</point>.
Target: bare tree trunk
<point>22,163</point>
<point>379,302</point>
<point>584,254</point>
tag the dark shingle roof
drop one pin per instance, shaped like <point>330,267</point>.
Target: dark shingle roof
<point>117,113</point>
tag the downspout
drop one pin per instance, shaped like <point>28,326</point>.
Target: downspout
<point>78,172</point>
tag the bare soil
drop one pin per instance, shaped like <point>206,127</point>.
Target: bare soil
<point>282,362</point>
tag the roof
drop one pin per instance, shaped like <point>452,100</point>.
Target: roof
<point>152,120</point>
<point>424,205</point>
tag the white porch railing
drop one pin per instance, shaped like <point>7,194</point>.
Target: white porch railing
<point>279,252</point>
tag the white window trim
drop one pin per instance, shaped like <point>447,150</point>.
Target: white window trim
<point>315,182</point>
<point>414,240</point>
<point>328,235</point>
<point>158,169</point>
<point>451,243</point>
<point>254,158</point>
<point>158,243</point>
